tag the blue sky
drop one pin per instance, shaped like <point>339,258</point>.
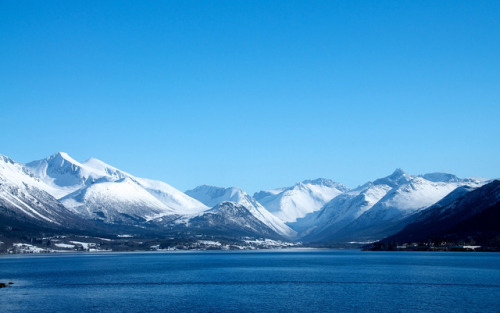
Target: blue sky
<point>255,94</point>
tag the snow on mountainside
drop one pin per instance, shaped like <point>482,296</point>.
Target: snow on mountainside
<point>98,190</point>
<point>228,219</point>
<point>342,209</point>
<point>173,198</point>
<point>22,197</point>
<point>444,206</point>
<point>367,211</point>
<point>289,204</point>
<point>65,175</point>
<point>168,195</point>
<point>212,196</point>
<point>122,200</point>
<point>318,210</point>
<point>415,194</point>
<point>465,214</point>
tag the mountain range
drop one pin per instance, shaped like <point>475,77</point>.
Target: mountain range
<point>466,214</point>
<point>375,209</point>
<point>61,195</point>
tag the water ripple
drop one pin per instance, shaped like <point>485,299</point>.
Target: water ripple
<point>281,282</point>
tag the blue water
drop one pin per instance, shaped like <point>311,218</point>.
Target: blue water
<point>262,281</point>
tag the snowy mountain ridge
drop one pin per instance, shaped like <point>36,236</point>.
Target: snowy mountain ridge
<point>230,219</point>
<point>22,197</point>
<point>291,203</point>
<point>59,190</point>
<point>467,213</point>
<point>213,196</point>
<point>371,209</point>
<point>94,189</point>
<point>65,175</point>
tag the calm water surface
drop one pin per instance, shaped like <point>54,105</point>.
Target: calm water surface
<point>262,281</point>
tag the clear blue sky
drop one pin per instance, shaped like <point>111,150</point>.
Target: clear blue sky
<point>256,94</point>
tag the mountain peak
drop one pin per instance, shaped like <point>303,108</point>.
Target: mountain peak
<point>60,154</point>
<point>234,197</point>
<point>223,204</point>
<point>398,172</point>
<point>61,157</point>
<point>212,195</point>
<point>398,177</point>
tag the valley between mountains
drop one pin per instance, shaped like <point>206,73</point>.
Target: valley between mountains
<point>58,204</point>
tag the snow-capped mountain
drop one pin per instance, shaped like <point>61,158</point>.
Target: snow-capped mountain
<point>212,196</point>
<point>370,211</point>
<point>466,213</point>
<point>59,194</point>
<point>23,199</point>
<point>97,190</point>
<point>171,197</point>
<point>123,200</point>
<point>341,210</point>
<point>227,219</point>
<point>174,199</point>
<point>291,203</point>
<point>65,175</point>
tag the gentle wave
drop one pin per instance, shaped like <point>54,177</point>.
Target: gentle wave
<point>280,283</point>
